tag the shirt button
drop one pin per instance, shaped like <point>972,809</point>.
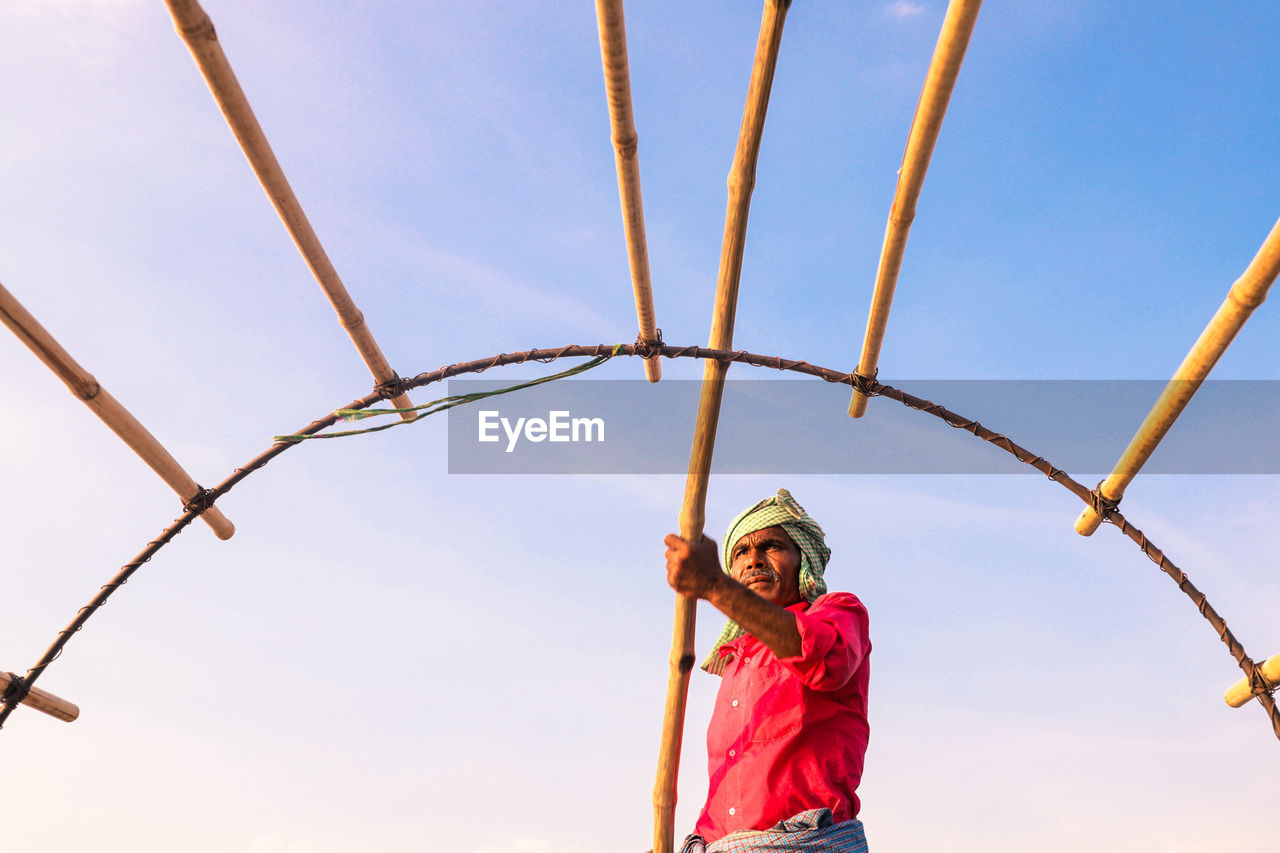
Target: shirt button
<point>732,753</point>
<point>734,703</point>
<point>732,810</point>
<point>748,660</point>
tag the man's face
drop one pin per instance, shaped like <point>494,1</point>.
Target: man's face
<point>768,563</point>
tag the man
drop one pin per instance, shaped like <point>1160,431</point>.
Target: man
<point>789,729</point>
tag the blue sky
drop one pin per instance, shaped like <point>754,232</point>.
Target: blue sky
<point>389,657</point>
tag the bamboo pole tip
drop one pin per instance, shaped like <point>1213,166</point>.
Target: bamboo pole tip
<point>224,530</point>
<point>212,516</point>
<point>1088,522</point>
<point>652,369</point>
<point>858,405</point>
<point>66,711</point>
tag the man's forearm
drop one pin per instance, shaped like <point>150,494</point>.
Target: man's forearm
<point>770,624</point>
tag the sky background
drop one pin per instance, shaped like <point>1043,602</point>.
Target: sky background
<point>389,657</point>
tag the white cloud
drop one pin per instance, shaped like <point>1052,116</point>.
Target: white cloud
<point>903,9</point>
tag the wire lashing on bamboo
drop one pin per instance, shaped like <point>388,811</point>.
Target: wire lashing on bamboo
<point>548,355</point>
<point>16,690</point>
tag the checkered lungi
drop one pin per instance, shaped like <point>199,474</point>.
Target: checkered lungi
<point>807,832</point>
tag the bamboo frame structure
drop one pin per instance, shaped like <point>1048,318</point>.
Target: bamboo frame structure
<point>1246,294</point>
<point>1239,694</point>
<point>196,29</point>
<point>617,81</point>
<point>43,701</point>
<point>718,357</point>
<point>120,420</point>
<point>940,81</point>
<point>741,182</point>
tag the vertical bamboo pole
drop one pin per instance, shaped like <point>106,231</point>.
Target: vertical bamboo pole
<point>693,509</point>
<point>940,81</point>
<point>617,81</point>
<point>1246,294</point>
<point>197,31</point>
<point>82,384</point>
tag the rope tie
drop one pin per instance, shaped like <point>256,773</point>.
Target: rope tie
<point>1102,505</point>
<point>1258,683</point>
<point>16,691</point>
<point>201,501</point>
<point>393,387</point>
<point>648,348</point>
<point>868,386</point>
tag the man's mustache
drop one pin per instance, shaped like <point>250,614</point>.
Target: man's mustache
<point>767,574</point>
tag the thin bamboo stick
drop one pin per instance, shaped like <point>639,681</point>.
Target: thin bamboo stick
<point>197,31</point>
<point>693,509</point>
<point>109,410</point>
<point>1239,694</point>
<point>1246,294</point>
<point>617,80</point>
<point>43,701</point>
<point>939,82</point>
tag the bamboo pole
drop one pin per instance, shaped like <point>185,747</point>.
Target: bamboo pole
<point>197,31</point>
<point>939,82</point>
<point>1241,692</point>
<point>693,509</point>
<point>109,410</point>
<point>43,701</point>
<point>1246,294</point>
<point>617,81</point>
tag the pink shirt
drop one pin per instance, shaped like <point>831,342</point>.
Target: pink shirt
<point>789,734</point>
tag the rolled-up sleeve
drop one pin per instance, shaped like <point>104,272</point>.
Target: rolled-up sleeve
<point>833,642</point>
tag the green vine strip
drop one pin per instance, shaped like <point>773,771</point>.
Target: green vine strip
<point>423,410</point>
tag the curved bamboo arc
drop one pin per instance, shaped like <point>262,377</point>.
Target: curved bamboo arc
<point>196,29</point>
<point>617,80</point>
<point>741,182</point>
<point>109,410</point>
<point>940,81</point>
<point>775,362</point>
<point>1246,294</point>
<point>153,547</point>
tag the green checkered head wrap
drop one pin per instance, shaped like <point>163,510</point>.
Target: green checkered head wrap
<point>778,511</point>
